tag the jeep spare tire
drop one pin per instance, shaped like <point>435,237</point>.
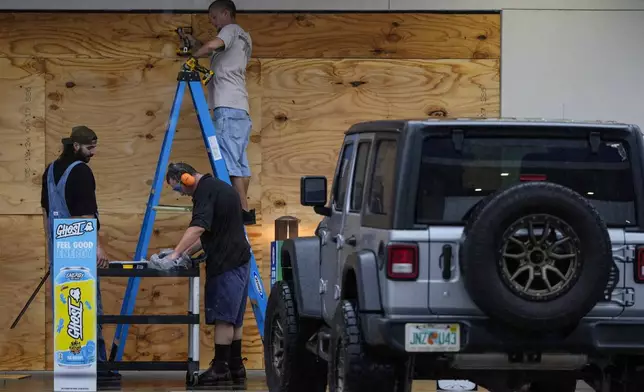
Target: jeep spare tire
<point>537,256</point>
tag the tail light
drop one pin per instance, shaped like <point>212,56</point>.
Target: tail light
<point>532,177</point>
<point>638,274</point>
<point>402,261</point>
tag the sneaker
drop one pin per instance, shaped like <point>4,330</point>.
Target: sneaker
<point>218,374</point>
<point>238,370</point>
<point>249,217</point>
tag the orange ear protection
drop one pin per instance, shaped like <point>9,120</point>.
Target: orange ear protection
<point>187,179</point>
<point>177,172</point>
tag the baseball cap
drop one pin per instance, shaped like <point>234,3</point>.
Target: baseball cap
<point>80,134</point>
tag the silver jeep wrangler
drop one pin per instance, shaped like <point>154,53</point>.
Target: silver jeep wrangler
<point>505,252</point>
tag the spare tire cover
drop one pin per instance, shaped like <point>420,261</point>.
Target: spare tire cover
<point>536,256</point>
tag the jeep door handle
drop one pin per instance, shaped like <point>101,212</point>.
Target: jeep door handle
<point>339,240</point>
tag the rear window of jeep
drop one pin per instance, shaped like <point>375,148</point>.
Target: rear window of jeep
<point>451,182</point>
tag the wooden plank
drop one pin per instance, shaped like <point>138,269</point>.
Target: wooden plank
<point>200,6</point>
<point>22,258</point>
<point>14,376</point>
<point>161,296</point>
<point>128,103</point>
<point>334,94</point>
<point>307,105</point>
<point>364,35</point>
<point>22,126</point>
<point>90,35</point>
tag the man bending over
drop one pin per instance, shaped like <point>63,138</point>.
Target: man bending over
<point>218,229</point>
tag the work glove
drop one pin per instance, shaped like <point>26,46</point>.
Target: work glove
<point>165,252</point>
<point>162,261</point>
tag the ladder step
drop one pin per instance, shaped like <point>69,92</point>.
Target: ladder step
<point>168,208</point>
<point>149,319</point>
<point>144,365</point>
<point>148,273</point>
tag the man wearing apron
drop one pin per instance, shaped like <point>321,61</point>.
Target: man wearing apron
<point>69,191</point>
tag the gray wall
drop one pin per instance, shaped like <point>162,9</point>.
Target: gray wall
<point>581,65</point>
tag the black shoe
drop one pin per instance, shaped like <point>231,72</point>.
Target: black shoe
<point>108,376</point>
<point>238,370</point>
<point>249,217</point>
<point>218,374</point>
<point>108,380</point>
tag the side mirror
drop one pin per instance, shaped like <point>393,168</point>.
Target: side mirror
<point>313,191</point>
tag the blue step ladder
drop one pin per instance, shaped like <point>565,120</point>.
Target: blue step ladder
<point>188,76</point>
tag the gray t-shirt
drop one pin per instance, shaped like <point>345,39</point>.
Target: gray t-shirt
<point>228,85</point>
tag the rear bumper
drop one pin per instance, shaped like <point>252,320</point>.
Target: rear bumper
<point>483,336</point>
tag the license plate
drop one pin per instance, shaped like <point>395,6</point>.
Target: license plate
<point>433,337</point>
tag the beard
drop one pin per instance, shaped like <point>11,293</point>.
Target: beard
<point>82,157</point>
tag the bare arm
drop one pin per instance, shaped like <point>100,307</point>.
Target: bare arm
<point>188,240</point>
<point>194,248</point>
<point>209,47</point>
<point>199,49</point>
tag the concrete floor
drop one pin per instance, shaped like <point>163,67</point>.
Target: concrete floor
<point>165,382</point>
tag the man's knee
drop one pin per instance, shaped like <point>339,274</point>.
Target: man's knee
<point>232,151</point>
<point>233,128</point>
<point>225,295</point>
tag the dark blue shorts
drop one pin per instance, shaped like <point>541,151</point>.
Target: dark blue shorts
<point>226,296</point>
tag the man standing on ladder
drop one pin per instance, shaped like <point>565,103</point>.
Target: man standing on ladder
<point>217,228</point>
<point>69,191</point>
<point>227,94</point>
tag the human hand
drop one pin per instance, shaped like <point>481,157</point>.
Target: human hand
<point>101,258</point>
<point>167,261</point>
<point>190,38</point>
<point>165,252</point>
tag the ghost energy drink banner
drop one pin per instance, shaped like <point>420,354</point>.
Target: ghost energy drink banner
<point>74,299</point>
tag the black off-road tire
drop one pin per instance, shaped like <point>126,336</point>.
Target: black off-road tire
<point>302,370</point>
<point>360,370</point>
<point>480,257</point>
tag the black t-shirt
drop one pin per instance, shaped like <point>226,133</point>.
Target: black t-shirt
<point>217,209</point>
<point>80,190</point>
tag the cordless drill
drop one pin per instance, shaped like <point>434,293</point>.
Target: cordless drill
<point>186,46</point>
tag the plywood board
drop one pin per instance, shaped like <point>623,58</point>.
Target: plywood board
<point>22,126</point>
<point>196,5</point>
<point>119,234</point>
<point>315,5</point>
<point>363,35</point>
<point>22,259</point>
<point>90,35</point>
<point>307,105</point>
<point>117,74</point>
<point>128,103</point>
